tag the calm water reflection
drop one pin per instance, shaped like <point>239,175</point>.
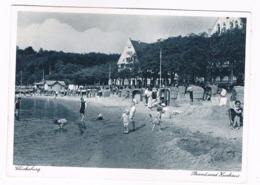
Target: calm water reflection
<point>37,141</point>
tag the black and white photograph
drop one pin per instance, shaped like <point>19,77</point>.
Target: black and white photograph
<point>131,91</point>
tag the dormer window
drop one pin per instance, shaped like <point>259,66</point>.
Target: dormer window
<point>129,52</point>
<point>236,24</point>
<point>218,28</point>
<point>231,25</point>
<point>129,59</point>
<point>224,27</point>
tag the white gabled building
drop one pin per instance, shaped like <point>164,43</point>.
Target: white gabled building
<point>130,54</point>
<point>128,57</point>
<point>222,24</point>
<point>133,49</point>
<point>54,85</point>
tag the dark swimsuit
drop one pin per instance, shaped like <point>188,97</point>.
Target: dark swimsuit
<point>82,108</point>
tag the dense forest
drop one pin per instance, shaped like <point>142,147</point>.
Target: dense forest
<point>81,69</point>
<point>190,57</point>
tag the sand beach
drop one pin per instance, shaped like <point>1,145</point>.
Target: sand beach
<point>197,137</point>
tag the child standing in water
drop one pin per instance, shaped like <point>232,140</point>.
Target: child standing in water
<point>82,108</point>
<point>125,120</point>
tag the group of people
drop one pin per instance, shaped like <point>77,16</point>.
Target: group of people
<point>83,105</point>
<point>62,122</point>
<point>162,111</point>
<point>127,117</point>
<point>151,95</point>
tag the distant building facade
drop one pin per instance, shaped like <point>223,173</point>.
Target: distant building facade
<point>51,85</point>
<point>222,24</point>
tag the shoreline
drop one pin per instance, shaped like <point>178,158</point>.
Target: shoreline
<point>192,117</point>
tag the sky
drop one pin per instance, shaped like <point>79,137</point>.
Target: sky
<point>103,33</point>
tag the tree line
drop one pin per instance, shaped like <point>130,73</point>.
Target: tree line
<point>190,57</point>
<point>81,69</point>
<point>195,56</point>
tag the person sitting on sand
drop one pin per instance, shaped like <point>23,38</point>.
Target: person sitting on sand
<point>60,122</point>
<point>166,112</point>
<point>125,120</point>
<point>100,116</point>
<point>238,115</point>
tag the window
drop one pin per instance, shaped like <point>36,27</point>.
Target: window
<point>224,27</point>
<point>236,24</point>
<point>218,28</point>
<point>128,65</point>
<point>129,59</point>
<point>129,52</point>
<point>231,25</point>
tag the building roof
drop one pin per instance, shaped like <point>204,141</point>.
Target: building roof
<point>138,45</point>
<point>132,49</point>
<point>52,82</point>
